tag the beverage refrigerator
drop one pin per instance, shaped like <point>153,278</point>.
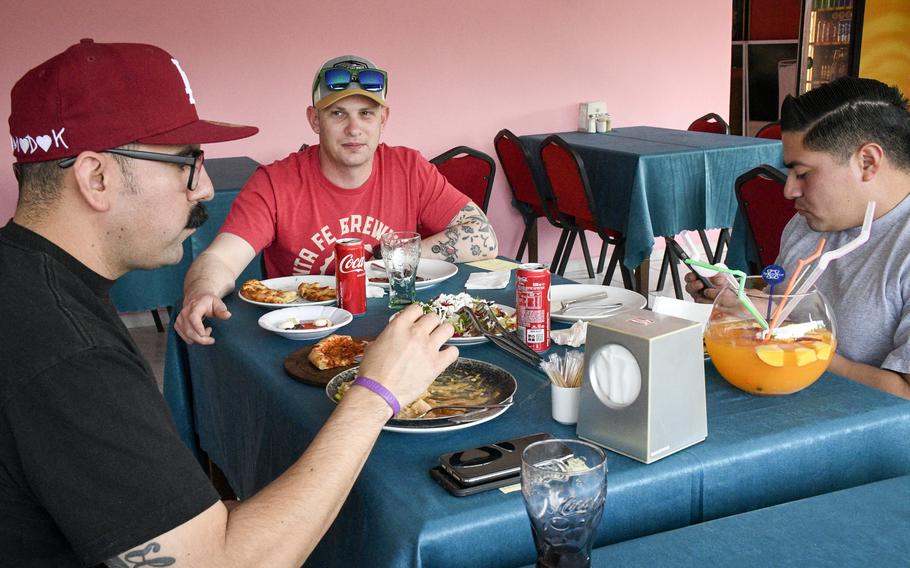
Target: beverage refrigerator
<point>830,34</point>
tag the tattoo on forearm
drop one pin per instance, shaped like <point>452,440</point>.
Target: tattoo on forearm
<point>140,557</point>
<point>470,233</point>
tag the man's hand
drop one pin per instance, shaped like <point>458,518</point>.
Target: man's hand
<point>406,356</point>
<point>189,324</point>
<point>698,291</point>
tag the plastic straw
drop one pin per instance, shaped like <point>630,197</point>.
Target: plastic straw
<point>799,268</point>
<point>831,255</point>
<point>740,293</point>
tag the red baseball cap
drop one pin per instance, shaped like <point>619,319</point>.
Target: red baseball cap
<point>97,96</point>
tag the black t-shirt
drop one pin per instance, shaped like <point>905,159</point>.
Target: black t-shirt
<point>90,461</point>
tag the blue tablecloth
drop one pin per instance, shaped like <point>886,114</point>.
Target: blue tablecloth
<point>863,526</point>
<point>652,181</point>
<point>254,421</point>
<point>148,289</point>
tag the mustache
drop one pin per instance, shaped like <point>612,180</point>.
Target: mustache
<point>198,215</point>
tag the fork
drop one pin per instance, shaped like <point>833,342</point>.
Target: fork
<point>470,408</point>
<point>509,335</point>
<point>500,341</point>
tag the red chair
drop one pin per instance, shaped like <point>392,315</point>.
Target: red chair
<point>711,122</point>
<point>470,171</point>
<point>529,197</point>
<point>765,210</point>
<point>574,201</point>
<point>770,130</point>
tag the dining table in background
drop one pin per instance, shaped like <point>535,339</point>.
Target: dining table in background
<point>140,290</point>
<point>253,420</point>
<point>650,182</point>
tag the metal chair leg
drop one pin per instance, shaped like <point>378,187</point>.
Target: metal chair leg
<point>557,256</point>
<point>524,242</point>
<point>706,244</point>
<point>587,253</point>
<point>603,256</point>
<point>664,266</point>
<point>674,273</point>
<point>157,319</point>
<point>723,240</point>
<point>567,253</point>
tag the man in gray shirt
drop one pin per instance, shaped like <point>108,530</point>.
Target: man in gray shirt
<point>845,144</point>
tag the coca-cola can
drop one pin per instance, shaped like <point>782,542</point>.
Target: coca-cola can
<point>350,276</point>
<point>532,305</point>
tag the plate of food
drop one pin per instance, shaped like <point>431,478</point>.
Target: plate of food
<point>591,301</point>
<point>466,381</point>
<point>289,291</point>
<point>430,272</point>
<point>447,306</point>
<point>305,322</point>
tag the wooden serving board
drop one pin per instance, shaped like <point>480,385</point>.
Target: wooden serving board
<point>299,367</point>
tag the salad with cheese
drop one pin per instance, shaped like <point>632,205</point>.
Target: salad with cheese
<point>446,306</point>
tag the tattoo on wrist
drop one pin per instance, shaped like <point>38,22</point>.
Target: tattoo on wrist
<point>141,558</point>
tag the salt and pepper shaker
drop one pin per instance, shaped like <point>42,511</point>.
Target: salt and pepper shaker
<point>592,123</point>
<point>603,123</point>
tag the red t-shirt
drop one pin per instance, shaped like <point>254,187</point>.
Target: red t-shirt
<point>295,214</point>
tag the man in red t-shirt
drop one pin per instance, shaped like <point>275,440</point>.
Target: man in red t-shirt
<point>349,185</point>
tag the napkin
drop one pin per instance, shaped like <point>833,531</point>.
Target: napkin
<point>691,311</point>
<point>574,336</point>
<point>375,291</point>
<point>495,280</point>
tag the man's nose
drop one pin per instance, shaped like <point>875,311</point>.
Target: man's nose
<point>205,190</point>
<point>791,188</point>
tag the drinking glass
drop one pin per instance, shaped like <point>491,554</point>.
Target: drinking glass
<point>564,483</point>
<point>401,255</point>
<point>784,360</point>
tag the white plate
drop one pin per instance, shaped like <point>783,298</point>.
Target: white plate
<point>477,339</point>
<point>339,318</point>
<point>627,298</point>
<point>435,271</point>
<point>288,283</point>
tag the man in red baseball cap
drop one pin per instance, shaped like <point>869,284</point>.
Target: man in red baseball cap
<point>111,178</point>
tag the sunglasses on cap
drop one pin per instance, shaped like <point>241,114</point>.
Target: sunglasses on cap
<point>339,78</point>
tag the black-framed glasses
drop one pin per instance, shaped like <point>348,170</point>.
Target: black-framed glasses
<point>195,159</point>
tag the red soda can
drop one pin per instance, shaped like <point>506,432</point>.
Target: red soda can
<point>532,305</point>
<point>350,276</point>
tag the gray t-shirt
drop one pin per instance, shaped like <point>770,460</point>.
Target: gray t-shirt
<point>868,289</point>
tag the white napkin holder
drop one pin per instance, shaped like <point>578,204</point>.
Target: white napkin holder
<point>643,395</point>
<point>587,112</point>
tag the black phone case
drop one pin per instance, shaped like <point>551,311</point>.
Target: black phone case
<point>490,462</point>
<point>457,489</point>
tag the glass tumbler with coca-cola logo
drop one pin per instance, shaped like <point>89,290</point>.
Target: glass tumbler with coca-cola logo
<point>401,255</point>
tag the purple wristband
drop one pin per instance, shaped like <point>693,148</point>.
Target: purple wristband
<point>385,393</point>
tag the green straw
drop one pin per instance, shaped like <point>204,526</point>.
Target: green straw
<point>741,294</point>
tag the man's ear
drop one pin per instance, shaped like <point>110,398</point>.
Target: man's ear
<point>383,116</point>
<point>870,160</point>
<point>92,172</point>
<point>312,116</point>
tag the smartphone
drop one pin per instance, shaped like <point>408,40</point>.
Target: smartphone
<point>490,462</point>
<point>458,489</point>
<point>683,256</point>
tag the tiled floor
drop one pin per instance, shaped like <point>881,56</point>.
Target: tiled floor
<point>153,344</point>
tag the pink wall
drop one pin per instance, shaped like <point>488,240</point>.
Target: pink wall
<point>459,71</point>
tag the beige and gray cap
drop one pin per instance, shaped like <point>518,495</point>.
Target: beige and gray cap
<point>323,96</point>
